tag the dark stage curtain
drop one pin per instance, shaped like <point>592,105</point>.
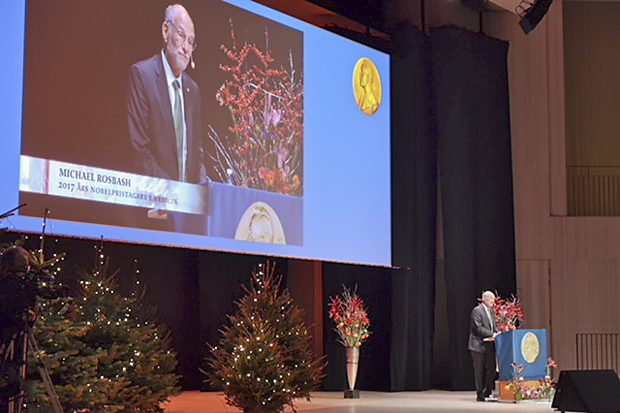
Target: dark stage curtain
<point>414,204</point>
<point>474,154</point>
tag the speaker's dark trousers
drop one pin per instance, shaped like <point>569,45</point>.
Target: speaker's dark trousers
<point>484,370</point>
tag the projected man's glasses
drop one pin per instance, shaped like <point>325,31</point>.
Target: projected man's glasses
<point>182,37</point>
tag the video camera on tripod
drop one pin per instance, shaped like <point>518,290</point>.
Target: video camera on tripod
<point>20,286</point>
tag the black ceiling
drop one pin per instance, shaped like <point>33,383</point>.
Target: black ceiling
<point>368,12</point>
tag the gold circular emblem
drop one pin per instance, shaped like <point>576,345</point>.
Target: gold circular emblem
<point>260,223</point>
<point>367,86</point>
<point>530,347</point>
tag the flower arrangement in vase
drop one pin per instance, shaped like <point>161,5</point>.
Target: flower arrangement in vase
<point>508,313</point>
<point>351,318</point>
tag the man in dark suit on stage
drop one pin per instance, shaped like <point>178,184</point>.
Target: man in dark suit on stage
<point>163,105</point>
<point>482,332</point>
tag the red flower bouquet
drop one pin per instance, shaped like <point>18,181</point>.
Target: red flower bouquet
<point>351,318</point>
<point>508,313</point>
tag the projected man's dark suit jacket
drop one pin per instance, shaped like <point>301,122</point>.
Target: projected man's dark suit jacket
<point>151,127</point>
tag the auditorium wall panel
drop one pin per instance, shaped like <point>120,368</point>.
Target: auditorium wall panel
<point>582,253</point>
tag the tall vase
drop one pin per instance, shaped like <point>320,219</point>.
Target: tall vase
<point>353,356</point>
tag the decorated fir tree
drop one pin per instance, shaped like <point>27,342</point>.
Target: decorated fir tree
<point>72,364</point>
<point>104,350</point>
<point>264,360</point>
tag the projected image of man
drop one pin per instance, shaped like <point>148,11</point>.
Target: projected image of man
<point>163,105</point>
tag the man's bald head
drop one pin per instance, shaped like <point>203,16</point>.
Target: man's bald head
<point>488,298</point>
<point>179,37</point>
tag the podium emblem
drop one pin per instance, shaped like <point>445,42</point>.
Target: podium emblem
<point>260,223</point>
<point>530,347</point>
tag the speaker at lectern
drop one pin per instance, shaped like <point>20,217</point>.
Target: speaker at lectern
<point>527,348</point>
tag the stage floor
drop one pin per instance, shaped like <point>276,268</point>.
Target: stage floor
<point>432,401</point>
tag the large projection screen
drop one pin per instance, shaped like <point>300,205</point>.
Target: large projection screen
<point>284,147</point>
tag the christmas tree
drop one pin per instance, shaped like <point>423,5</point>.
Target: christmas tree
<point>104,350</point>
<point>72,364</point>
<point>264,360</point>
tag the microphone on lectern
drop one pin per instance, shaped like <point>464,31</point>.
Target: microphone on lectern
<point>191,59</point>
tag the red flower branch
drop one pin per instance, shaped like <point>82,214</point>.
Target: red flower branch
<point>266,105</point>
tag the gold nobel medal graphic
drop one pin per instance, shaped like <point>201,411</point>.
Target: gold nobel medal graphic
<point>530,347</point>
<point>367,86</point>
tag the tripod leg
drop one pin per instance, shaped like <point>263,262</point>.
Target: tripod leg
<point>16,405</point>
<point>8,351</point>
<point>51,392</point>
